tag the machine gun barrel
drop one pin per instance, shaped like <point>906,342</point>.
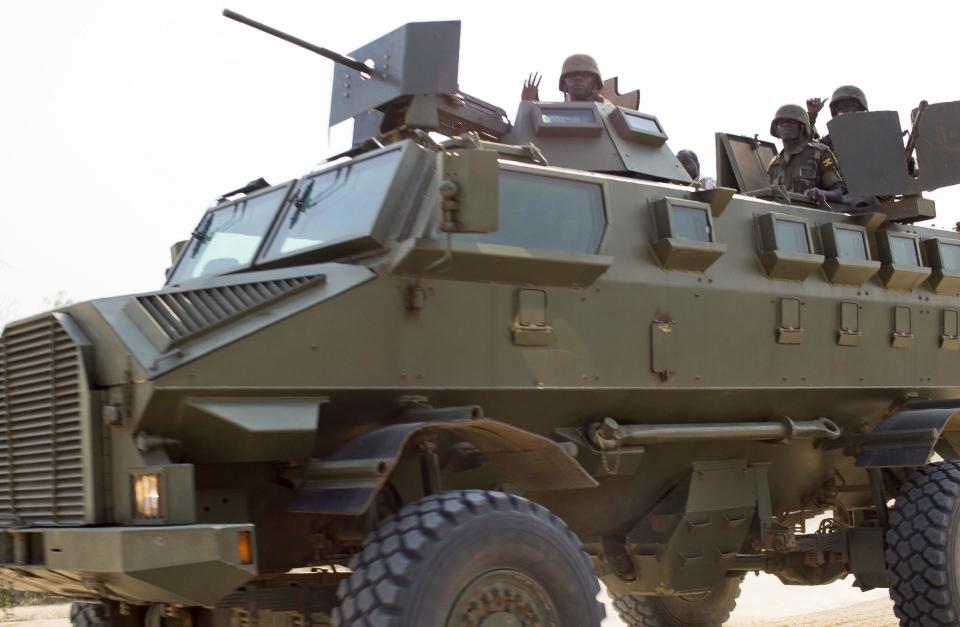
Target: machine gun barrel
<point>323,52</point>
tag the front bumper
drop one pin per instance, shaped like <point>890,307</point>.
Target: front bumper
<point>183,565</point>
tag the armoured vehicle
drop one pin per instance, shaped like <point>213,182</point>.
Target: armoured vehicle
<point>463,370</point>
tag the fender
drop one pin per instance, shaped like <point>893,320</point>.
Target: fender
<point>347,481</point>
<point>910,436</point>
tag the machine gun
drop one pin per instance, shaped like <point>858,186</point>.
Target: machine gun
<point>407,82</point>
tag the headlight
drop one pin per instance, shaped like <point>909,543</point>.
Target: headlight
<point>146,496</point>
<point>163,495</point>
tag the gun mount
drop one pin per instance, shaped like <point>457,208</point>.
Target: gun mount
<point>406,82</point>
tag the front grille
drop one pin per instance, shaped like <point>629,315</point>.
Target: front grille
<point>42,399</point>
<point>180,315</point>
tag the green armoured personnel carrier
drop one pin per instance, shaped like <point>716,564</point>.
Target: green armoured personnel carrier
<point>466,368</point>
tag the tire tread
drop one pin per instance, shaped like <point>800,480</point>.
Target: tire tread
<point>387,566</point>
<point>918,546</point>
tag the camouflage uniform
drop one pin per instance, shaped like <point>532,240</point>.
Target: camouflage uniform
<point>809,165</point>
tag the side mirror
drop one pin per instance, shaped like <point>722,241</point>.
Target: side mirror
<point>469,191</point>
<point>176,249</point>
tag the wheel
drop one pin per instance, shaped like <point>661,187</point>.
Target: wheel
<point>923,563</point>
<point>701,610</point>
<point>466,559</point>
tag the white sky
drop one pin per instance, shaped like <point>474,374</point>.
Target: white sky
<point>121,121</point>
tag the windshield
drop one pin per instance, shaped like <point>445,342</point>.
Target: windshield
<point>336,206</point>
<point>228,237</point>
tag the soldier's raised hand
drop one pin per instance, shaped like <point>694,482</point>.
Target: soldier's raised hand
<point>531,87</point>
<point>815,105</point>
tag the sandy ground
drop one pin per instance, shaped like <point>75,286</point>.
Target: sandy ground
<point>765,602</point>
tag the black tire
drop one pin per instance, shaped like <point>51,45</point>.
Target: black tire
<point>923,565</point>
<point>463,556</point>
<point>704,610</point>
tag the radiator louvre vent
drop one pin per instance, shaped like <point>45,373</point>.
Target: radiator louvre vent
<point>182,314</point>
<point>41,410</point>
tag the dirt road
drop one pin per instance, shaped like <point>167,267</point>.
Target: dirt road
<point>765,602</point>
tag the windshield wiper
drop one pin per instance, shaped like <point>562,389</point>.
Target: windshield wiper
<point>303,201</point>
<point>201,233</point>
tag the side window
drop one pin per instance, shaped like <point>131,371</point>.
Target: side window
<point>848,255</point>
<point>784,233</point>
<point>786,248</point>
<point>943,256</point>
<point>851,244</point>
<point>791,236</point>
<point>902,268</point>
<point>546,213</point>
<point>903,251</point>
<point>950,256</point>
<point>685,238</point>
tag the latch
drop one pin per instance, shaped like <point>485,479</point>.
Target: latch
<point>950,338</point>
<point>902,328</point>
<point>530,326</point>
<point>790,330</point>
<point>663,347</point>
<point>850,333</point>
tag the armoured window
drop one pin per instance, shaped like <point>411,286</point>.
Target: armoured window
<point>903,251</point>
<point>546,213</point>
<point>950,256</point>
<point>684,238</point>
<point>642,123</point>
<point>791,236</point>
<point>335,206</point>
<point>638,127</point>
<point>228,237</point>
<point>566,116</point>
<point>785,247</point>
<point>851,244</point>
<point>690,223</point>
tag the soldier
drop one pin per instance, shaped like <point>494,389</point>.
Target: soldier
<point>688,159</point>
<point>845,99</point>
<point>580,80</point>
<point>803,166</point>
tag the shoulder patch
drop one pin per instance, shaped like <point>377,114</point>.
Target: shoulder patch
<point>828,162</point>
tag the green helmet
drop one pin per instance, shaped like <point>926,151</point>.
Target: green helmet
<point>792,112</point>
<point>848,92</point>
<point>580,63</point>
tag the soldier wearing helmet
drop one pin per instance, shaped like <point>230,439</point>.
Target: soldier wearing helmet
<point>845,99</point>
<point>580,80</point>
<point>803,166</point>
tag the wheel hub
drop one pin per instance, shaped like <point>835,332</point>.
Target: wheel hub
<point>503,598</point>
